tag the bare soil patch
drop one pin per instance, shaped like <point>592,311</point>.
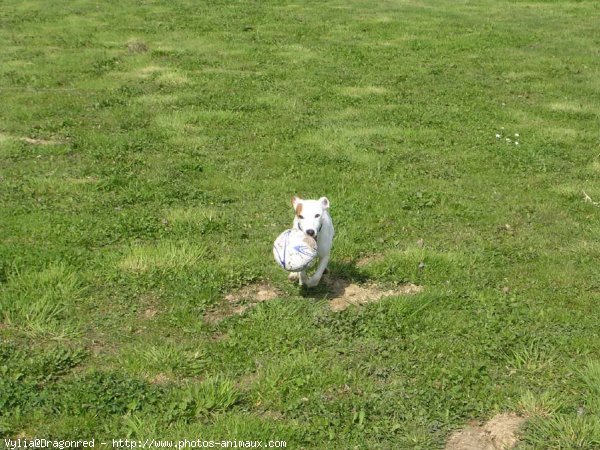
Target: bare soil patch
<point>148,306</point>
<point>219,337</point>
<point>272,415</point>
<point>344,293</point>
<point>33,141</point>
<point>149,313</point>
<point>499,433</point>
<point>160,379</point>
<point>242,300</point>
<point>137,47</point>
<point>369,259</point>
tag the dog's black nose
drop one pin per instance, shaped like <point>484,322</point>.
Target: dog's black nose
<point>310,233</point>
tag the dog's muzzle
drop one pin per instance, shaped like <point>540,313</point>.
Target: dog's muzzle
<point>312,233</point>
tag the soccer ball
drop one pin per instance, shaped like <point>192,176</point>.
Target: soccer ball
<point>294,250</point>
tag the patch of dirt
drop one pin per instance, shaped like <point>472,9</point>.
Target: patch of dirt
<point>272,415</point>
<point>499,433</point>
<point>219,337</point>
<point>369,259</point>
<point>255,292</point>
<point>148,306</point>
<point>337,393</point>
<point>96,347</point>
<point>240,301</point>
<point>344,293</point>
<point>33,141</point>
<point>160,379</point>
<point>137,47</point>
<point>213,317</point>
<point>149,313</point>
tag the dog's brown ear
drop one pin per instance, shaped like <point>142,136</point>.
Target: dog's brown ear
<point>295,201</point>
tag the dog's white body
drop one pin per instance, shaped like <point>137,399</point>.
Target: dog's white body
<point>312,217</point>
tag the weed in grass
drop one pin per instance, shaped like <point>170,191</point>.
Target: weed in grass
<point>37,302</point>
<point>197,401</point>
<point>171,359</point>
<point>559,422</point>
<point>167,256</point>
<point>561,431</point>
<point>530,358</point>
<point>545,404</point>
<point>136,426</point>
<point>590,375</point>
<point>24,375</point>
<point>105,393</point>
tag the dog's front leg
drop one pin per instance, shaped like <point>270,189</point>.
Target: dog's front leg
<point>304,279</point>
<point>314,280</point>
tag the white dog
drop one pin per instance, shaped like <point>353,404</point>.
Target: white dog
<point>312,217</point>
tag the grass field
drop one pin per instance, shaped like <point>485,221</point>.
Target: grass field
<point>148,153</point>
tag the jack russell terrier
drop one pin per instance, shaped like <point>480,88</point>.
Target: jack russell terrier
<point>312,217</point>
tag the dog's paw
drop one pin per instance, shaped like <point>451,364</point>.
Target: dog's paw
<point>312,282</point>
<point>293,276</point>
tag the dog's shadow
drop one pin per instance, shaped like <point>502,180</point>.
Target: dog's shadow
<point>335,280</point>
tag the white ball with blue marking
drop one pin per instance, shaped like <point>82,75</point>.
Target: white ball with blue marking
<point>294,250</point>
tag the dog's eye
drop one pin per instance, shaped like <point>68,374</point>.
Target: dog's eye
<point>300,217</point>
<point>317,215</point>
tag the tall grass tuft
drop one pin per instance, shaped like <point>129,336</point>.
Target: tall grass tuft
<point>41,302</point>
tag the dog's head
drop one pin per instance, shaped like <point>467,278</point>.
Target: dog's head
<point>309,214</point>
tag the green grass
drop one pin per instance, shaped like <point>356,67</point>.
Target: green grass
<point>164,143</point>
